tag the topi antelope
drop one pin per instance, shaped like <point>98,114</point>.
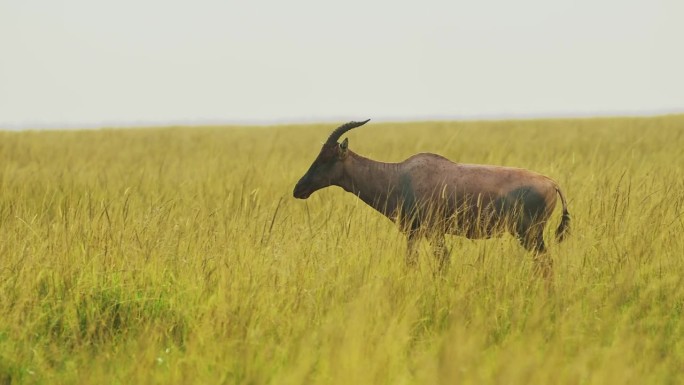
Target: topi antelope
<point>430,196</point>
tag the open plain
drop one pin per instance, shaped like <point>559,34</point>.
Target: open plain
<point>178,255</point>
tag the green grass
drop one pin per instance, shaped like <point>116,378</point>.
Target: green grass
<point>178,255</point>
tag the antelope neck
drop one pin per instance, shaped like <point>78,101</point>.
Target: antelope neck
<point>372,181</point>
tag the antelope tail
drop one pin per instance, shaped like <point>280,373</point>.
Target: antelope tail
<point>564,226</point>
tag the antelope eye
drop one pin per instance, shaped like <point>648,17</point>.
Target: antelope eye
<point>326,163</point>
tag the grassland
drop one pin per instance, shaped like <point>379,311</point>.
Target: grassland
<point>178,255</point>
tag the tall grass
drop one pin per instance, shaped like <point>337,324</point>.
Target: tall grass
<point>178,255</point>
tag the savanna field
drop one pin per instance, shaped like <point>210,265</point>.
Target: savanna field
<point>179,256</point>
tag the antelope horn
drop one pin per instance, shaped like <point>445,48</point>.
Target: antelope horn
<point>339,131</point>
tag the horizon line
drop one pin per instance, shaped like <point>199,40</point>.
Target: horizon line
<point>132,124</point>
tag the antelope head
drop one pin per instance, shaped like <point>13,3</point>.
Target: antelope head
<point>328,167</point>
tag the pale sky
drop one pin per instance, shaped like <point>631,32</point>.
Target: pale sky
<point>79,63</point>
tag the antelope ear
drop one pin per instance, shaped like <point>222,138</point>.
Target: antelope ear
<point>343,148</point>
